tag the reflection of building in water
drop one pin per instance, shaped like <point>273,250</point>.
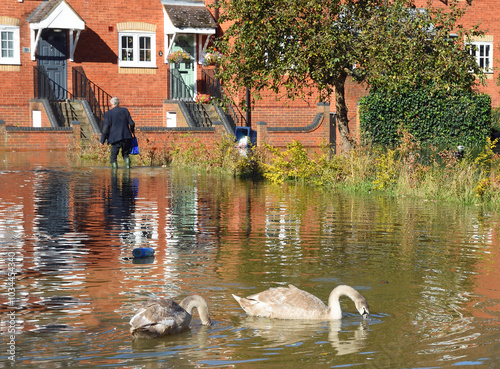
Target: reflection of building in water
<point>183,215</point>
<point>119,201</point>
<point>119,206</point>
<point>57,249</point>
<point>52,203</point>
<point>488,281</point>
<point>50,255</point>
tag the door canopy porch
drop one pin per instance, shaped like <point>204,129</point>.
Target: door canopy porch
<point>186,17</point>
<point>55,14</point>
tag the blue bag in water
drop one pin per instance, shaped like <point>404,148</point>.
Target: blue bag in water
<point>142,252</point>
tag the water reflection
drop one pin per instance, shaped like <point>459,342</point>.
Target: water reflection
<point>429,271</point>
<point>194,337</point>
<point>119,200</point>
<point>277,332</point>
<point>52,190</point>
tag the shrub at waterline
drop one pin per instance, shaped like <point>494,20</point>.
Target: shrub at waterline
<point>405,170</point>
<point>441,175</point>
<point>445,119</point>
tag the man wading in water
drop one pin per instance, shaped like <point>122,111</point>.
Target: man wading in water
<point>118,129</point>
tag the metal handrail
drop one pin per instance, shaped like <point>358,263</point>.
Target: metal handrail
<point>209,84</point>
<point>98,99</point>
<point>46,88</point>
<point>212,86</point>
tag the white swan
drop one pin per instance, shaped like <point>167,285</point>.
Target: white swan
<point>163,317</point>
<point>293,303</point>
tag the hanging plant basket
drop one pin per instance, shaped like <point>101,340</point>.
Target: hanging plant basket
<point>179,56</point>
<point>213,58</point>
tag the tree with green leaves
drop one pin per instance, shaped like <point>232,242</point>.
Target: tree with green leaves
<point>311,47</point>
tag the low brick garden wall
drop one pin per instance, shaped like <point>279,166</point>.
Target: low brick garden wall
<point>314,134</point>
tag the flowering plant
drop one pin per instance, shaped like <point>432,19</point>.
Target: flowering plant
<point>212,58</point>
<point>178,56</point>
<point>202,98</point>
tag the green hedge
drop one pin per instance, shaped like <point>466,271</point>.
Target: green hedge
<point>443,119</point>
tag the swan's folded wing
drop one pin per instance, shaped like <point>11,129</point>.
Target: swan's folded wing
<point>141,322</point>
<point>157,311</point>
<point>159,317</point>
<point>289,303</point>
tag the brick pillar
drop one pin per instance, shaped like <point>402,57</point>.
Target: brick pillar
<point>219,130</point>
<point>261,133</point>
<point>3,135</point>
<point>77,129</point>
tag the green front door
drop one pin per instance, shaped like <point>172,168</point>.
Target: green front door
<point>183,76</point>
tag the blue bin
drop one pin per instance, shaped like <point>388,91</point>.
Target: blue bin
<point>239,132</point>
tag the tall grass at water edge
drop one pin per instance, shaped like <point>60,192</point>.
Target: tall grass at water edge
<point>409,169</point>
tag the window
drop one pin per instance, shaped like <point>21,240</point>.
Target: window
<point>137,49</point>
<point>483,52</point>
<point>9,45</point>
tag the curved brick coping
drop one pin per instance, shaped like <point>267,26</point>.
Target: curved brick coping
<point>38,129</point>
<point>315,124</point>
<point>176,129</point>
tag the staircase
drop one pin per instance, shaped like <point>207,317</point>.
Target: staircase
<point>73,110</point>
<point>208,114</point>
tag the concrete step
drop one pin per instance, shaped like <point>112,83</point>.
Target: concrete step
<point>73,110</point>
<point>209,114</point>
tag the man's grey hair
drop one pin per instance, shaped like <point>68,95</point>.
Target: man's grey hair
<point>115,101</point>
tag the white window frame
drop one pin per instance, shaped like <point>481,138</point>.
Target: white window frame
<point>136,63</point>
<point>16,58</point>
<point>475,50</point>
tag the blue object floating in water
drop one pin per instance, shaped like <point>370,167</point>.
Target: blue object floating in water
<point>142,252</point>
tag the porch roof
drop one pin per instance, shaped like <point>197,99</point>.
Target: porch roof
<point>56,14</point>
<point>188,17</point>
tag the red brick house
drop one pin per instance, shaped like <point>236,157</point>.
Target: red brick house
<point>62,60</point>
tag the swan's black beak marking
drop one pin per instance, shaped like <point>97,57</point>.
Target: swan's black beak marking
<point>365,313</point>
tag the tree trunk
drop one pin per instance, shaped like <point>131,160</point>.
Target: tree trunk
<point>342,120</point>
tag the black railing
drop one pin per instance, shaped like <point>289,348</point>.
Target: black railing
<point>97,98</point>
<point>46,88</point>
<point>211,85</point>
<point>178,88</point>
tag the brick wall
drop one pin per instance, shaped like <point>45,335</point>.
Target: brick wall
<point>166,138</point>
<point>144,91</point>
<point>318,132</point>
<point>35,139</point>
<point>484,13</point>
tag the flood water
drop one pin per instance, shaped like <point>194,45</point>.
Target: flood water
<point>429,271</point>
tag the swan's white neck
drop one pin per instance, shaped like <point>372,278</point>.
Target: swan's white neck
<point>334,309</point>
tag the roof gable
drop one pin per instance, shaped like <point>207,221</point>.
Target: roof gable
<point>56,14</point>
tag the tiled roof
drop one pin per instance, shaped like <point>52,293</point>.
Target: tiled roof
<point>185,16</point>
<point>44,10</point>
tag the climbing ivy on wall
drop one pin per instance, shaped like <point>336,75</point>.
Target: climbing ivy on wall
<point>440,118</point>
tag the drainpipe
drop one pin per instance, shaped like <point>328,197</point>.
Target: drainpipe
<point>249,109</point>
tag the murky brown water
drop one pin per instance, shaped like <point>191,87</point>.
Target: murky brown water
<point>429,271</point>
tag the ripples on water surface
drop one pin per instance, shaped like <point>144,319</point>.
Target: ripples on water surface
<point>429,271</point>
